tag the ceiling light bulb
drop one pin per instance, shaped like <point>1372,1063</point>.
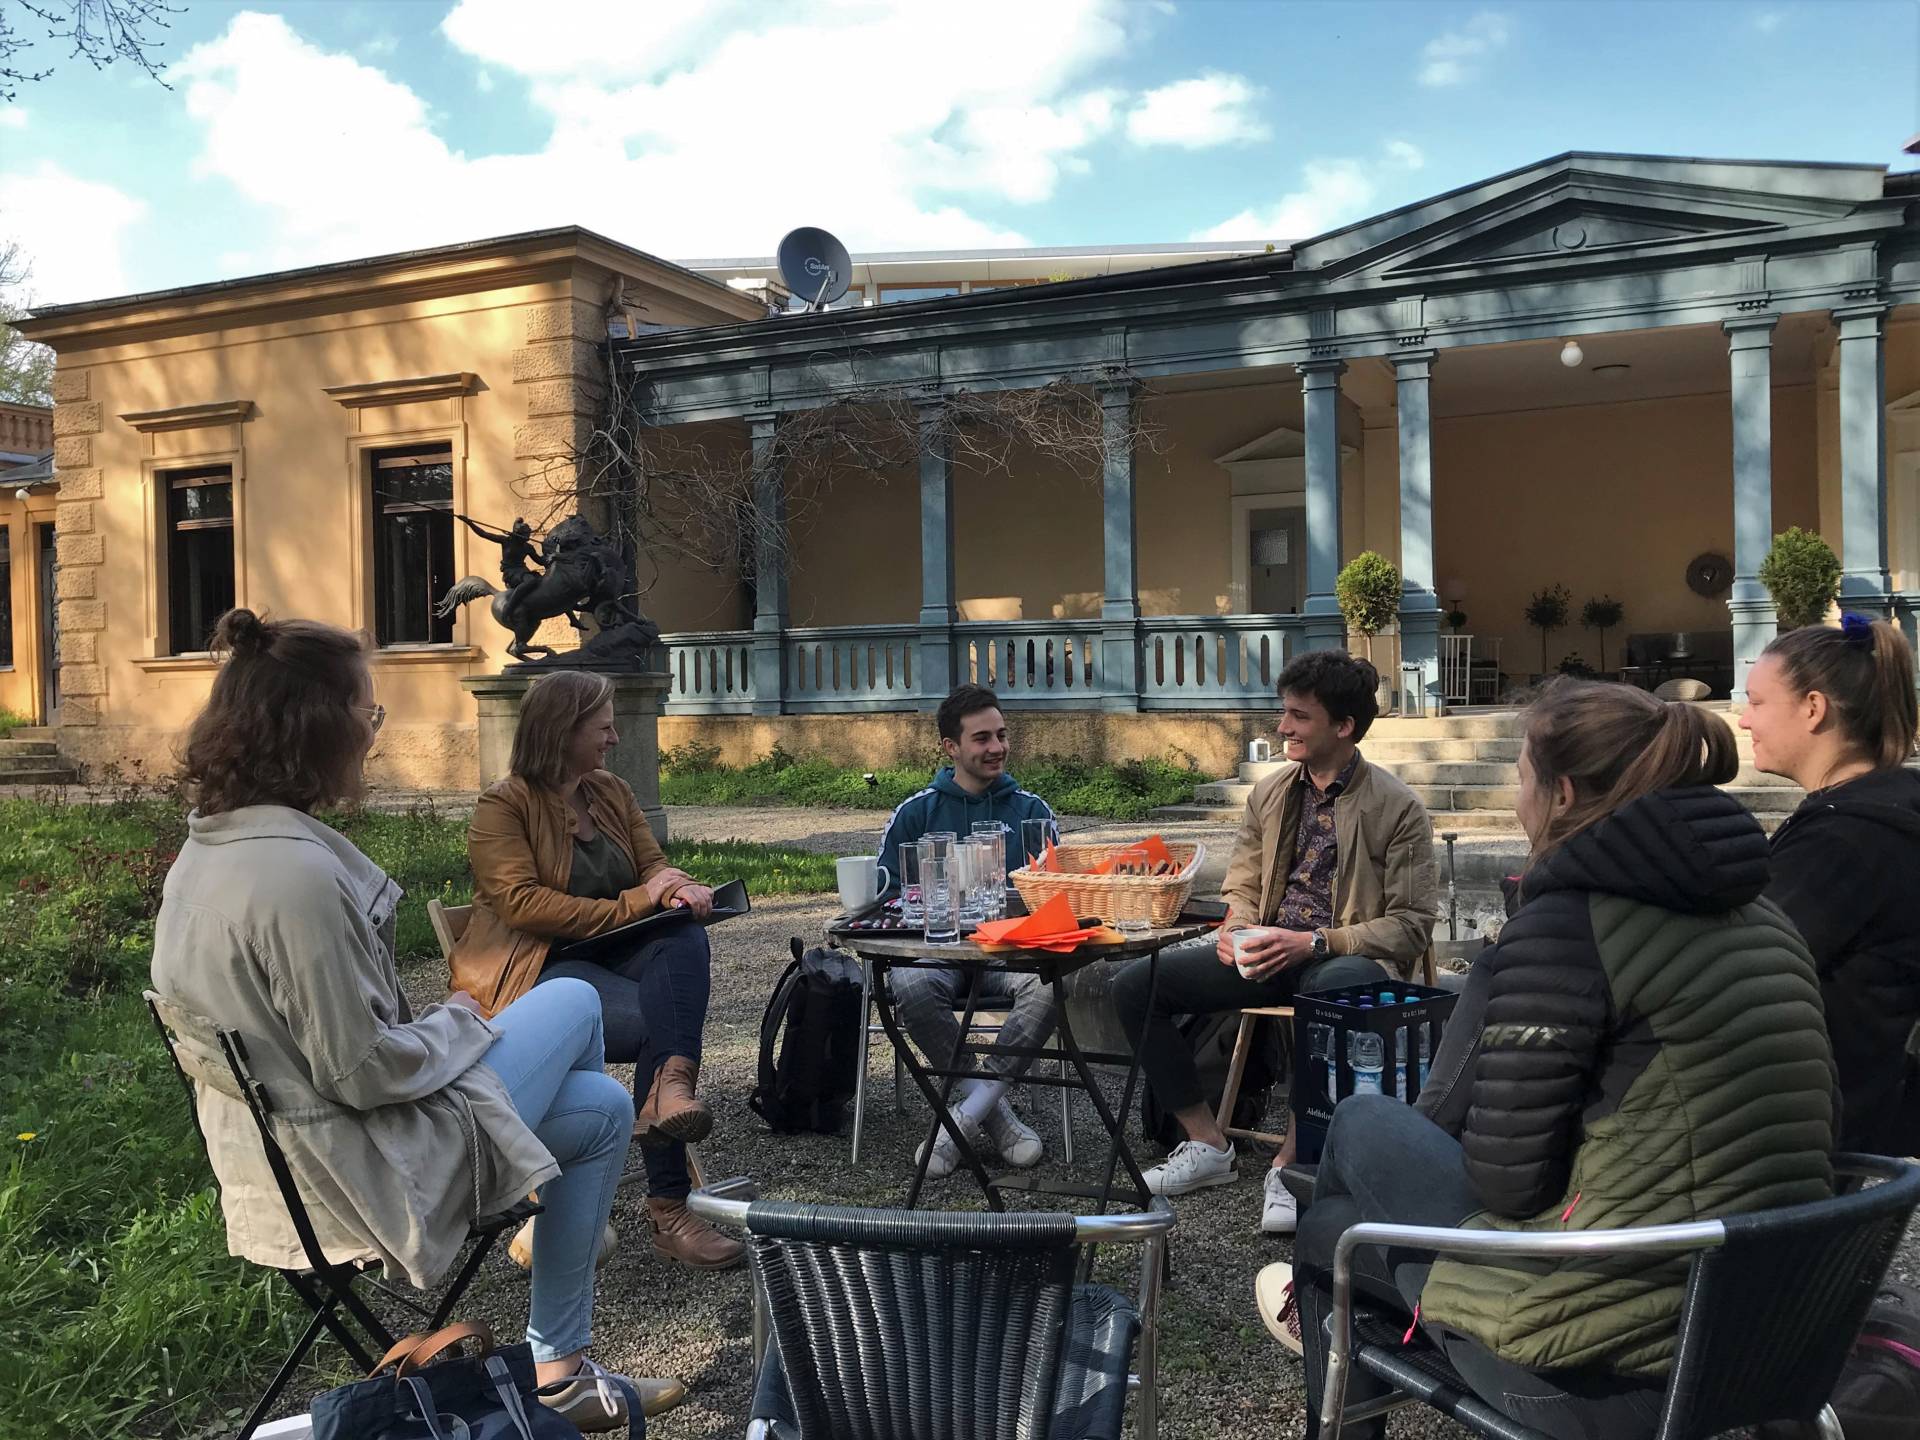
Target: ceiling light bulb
<point>1571,354</point>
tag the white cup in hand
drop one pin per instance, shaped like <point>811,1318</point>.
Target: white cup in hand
<point>1243,941</point>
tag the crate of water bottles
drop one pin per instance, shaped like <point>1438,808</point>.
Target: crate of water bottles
<point>1375,1039</point>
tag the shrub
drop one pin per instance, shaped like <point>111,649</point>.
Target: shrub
<point>1546,612</point>
<point>1602,614</point>
<point>1368,588</point>
<point>696,757</point>
<point>1802,574</point>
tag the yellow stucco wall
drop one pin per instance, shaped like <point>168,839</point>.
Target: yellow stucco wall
<point>21,515</point>
<point>529,332</point>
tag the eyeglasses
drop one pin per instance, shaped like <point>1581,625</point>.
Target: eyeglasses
<point>376,715</point>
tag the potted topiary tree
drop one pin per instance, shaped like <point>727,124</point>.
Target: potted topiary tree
<point>1368,589</point>
<point>1547,611</point>
<point>1602,614</point>
<point>1802,574</point>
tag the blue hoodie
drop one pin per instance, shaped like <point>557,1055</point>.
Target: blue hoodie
<point>943,805</point>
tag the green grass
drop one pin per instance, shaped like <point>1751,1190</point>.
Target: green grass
<point>9,722</point>
<point>689,775</point>
<point>120,1311</point>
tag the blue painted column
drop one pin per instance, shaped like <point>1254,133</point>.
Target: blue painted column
<point>1419,603</point>
<point>1320,382</point>
<point>770,556</point>
<point>1864,582</point>
<point>933,666</point>
<point>1750,357</point>
<point>1120,599</point>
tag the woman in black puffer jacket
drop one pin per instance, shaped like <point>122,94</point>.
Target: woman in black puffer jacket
<point>1833,710</point>
<point>1651,1052</point>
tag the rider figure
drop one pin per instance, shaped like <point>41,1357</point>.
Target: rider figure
<point>517,551</point>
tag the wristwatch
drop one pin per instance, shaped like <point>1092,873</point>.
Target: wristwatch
<point>1320,949</point>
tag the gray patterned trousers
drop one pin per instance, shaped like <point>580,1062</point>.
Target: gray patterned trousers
<point>927,996</point>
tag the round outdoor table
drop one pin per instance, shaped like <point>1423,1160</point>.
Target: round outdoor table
<point>884,953</point>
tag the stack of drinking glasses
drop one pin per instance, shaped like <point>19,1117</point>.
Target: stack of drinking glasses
<point>942,886</point>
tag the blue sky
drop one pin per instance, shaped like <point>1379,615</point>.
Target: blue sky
<point>320,130</point>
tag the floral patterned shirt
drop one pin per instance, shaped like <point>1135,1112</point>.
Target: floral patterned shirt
<point>1308,901</point>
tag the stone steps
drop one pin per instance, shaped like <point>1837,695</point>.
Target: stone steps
<point>31,757</point>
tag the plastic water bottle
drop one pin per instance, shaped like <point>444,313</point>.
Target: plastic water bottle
<point>1426,1054</point>
<point>1367,1053</point>
<point>1400,1063</point>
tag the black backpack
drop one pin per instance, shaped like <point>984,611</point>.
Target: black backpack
<point>1211,1038</point>
<point>810,1043</point>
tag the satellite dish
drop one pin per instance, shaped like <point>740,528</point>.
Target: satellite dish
<point>815,266</point>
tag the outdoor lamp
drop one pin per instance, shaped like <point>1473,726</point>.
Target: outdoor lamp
<point>1571,354</point>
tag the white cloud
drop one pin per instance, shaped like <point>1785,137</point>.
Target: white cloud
<point>1213,109</point>
<point>71,230</point>
<point>684,129</point>
<point>12,117</point>
<point>1458,55</point>
<point>1332,192</point>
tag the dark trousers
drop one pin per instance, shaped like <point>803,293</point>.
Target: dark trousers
<point>1194,982</point>
<point>653,1006</point>
<point>1385,1162</point>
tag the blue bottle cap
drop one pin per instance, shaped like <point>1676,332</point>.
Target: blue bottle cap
<point>1386,997</point>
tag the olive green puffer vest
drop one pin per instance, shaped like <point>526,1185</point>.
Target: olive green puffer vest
<point>1712,1096</point>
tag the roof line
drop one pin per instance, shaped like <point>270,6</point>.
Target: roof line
<point>369,262</point>
<point>1011,252</point>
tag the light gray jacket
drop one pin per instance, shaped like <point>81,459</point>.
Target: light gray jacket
<point>274,926</point>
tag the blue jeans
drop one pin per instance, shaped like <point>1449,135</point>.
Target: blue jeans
<point>549,1055</point>
<point>653,1004</point>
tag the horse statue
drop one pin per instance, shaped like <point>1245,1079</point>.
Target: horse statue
<point>581,572</point>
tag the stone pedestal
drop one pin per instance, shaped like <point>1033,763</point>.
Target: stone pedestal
<point>636,714</point>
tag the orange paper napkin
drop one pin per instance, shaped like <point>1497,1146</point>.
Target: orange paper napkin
<point>1142,857</point>
<point>1053,926</point>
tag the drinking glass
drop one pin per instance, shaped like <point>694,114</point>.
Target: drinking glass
<point>995,832</point>
<point>969,872</point>
<point>910,883</point>
<point>1034,836</point>
<point>939,898</point>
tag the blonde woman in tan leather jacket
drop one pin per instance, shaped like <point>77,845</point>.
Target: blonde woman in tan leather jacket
<point>561,851</point>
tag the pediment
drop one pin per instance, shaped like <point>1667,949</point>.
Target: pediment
<point>1586,205</point>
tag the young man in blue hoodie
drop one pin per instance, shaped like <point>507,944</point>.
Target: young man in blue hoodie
<point>974,786</point>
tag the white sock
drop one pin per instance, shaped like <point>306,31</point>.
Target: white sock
<point>981,1097</point>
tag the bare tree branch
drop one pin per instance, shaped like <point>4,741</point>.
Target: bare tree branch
<point>99,32</point>
<point>26,369</point>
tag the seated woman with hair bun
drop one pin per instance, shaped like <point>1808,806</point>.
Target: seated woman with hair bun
<point>1833,710</point>
<point>562,851</point>
<point>273,925</point>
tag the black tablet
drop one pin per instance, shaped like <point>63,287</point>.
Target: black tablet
<point>729,900</point>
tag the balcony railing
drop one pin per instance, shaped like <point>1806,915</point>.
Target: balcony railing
<point>1186,662</point>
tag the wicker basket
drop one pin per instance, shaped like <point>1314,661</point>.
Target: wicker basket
<point>1156,899</point>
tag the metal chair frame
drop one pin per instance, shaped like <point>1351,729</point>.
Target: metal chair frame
<point>1693,1238</point>
<point>729,1202</point>
<point>869,1029</point>
<point>325,1286</point>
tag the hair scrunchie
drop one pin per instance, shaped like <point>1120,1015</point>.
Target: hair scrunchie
<point>1857,629</point>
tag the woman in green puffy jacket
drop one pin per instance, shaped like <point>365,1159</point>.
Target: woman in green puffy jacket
<point>1652,1052</point>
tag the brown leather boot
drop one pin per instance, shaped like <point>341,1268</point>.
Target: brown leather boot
<point>671,1111</point>
<point>681,1235</point>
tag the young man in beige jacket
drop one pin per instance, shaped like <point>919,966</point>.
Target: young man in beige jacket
<point>1334,866</point>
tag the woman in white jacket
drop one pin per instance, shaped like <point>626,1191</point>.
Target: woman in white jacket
<point>401,1129</point>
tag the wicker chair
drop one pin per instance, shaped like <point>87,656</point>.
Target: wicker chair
<point>1774,1300</point>
<point>919,1325</point>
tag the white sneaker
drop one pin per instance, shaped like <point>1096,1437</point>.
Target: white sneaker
<point>1279,1309</point>
<point>1193,1165</point>
<point>1016,1141</point>
<point>1280,1212</point>
<point>946,1154</point>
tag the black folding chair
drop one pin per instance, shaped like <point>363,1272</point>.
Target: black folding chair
<point>1774,1302</point>
<point>217,1057</point>
<point>917,1324</point>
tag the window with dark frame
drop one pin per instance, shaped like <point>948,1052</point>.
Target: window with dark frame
<point>6,598</point>
<point>199,555</point>
<point>412,544</point>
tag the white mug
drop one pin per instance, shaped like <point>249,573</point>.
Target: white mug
<point>1240,939</point>
<point>861,881</point>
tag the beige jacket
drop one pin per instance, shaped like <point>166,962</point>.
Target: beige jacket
<point>274,926</point>
<point>1386,892</point>
<point>520,844</point>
